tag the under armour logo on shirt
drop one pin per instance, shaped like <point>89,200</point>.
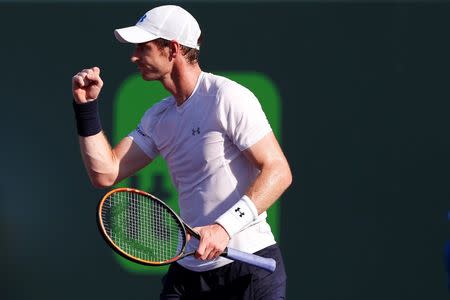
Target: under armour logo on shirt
<point>240,212</point>
<point>195,131</point>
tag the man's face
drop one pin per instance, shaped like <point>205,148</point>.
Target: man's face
<point>153,63</point>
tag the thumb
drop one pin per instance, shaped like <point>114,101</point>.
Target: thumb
<point>188,236</point>
<point>192,233</point>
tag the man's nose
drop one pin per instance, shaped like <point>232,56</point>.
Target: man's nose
<point>134,58</point>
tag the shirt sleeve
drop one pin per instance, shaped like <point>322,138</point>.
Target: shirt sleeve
<point>144,133</point>
<point>144,141</point>
<point>241,116</point>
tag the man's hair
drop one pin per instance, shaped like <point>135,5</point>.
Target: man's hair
<point>191,54</point>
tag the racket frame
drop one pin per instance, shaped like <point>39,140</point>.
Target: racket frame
<point>118,250</point>
<point>268,264</point>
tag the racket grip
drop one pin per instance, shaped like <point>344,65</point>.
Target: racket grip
<point>268,264</point>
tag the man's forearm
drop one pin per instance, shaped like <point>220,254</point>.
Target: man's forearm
<point>270,184</point>
<point>99,160</point>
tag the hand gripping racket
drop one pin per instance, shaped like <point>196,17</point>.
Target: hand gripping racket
<point>142,228</point>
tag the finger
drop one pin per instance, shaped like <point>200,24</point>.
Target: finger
<point>78,80</point>
<point>86,81</point>
<point>81,82</point>
<point>92,76</point>
<point>82,74</point>
<point>85,72</point>
<point>96,70</point>
<point>213,254</point>
<point>200,250</point>
<point>208,253</point>
<point>87,76</point>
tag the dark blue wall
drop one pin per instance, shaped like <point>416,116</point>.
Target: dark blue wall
<point>365,127</point>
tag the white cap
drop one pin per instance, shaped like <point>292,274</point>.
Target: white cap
<point>169,22</point>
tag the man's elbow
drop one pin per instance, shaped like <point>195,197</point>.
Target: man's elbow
<point>287,176</point>
<point>101,181</point>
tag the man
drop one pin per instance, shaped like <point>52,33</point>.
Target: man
<point>223,158</point>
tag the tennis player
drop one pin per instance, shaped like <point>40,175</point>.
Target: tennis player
<point>221,152</point>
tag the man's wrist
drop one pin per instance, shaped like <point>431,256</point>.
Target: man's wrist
<point>87,117</point>
<point>239,216</point>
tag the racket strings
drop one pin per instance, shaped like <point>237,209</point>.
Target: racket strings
<point>141,227</point>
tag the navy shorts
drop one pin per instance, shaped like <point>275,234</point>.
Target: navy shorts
<point>234,281</point>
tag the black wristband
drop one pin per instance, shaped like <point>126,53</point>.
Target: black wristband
<point>87,117</point>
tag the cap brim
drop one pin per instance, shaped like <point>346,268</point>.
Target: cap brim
<point>134,35</point>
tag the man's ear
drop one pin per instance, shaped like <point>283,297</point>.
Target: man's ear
<point>174,49</point>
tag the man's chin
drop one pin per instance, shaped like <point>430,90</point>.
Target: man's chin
<point>149,77</point>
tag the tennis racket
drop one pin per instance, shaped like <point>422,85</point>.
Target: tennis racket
<point>143,229</point>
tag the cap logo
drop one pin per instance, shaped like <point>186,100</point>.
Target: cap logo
<point>142,18</point>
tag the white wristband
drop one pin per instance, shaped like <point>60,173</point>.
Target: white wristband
<point>240,215</point>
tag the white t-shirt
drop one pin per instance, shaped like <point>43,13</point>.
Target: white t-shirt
<point>202,141</point>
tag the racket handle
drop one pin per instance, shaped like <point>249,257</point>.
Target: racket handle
<point>268,264</point>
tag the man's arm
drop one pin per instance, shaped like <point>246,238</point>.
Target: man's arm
<point>105,166</point>
<point>274,178</point>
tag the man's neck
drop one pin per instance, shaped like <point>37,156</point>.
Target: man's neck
<point>182,81</point>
